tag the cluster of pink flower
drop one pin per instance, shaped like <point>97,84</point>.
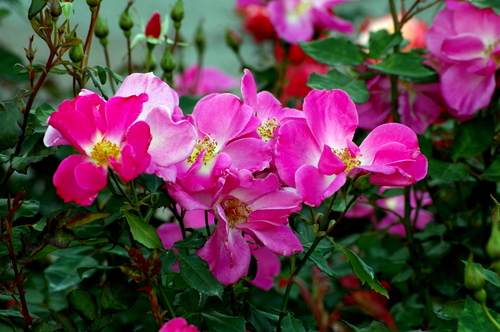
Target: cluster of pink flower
<point>250,163</point>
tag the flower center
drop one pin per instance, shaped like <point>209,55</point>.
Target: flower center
<point>206,143</point>
<point>347,159</point>
<point>303,6</point>
<point>103,150</point>
<point>494,57</point>
<point>266,129</point>
<point>236,211</point>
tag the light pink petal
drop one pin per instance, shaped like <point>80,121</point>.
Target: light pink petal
<point>481,22</point>
<point>159,93</point>
<point>231,114</point>
<point>288,25</point>
<point>314,187</point>
<point>276,237</point>
<point>463,48</point>
<point>332,117</point>
<point>330,163</point>
<point>249,153</point>
<point>169,233</point>
<point>226,253</point>
<point>464,91</point>
<point>52,137</point>
<point>418,112</point>
<point>121,112</point>
<point>249,89</point>
<point>172,142</point>
<point>383,134</point>
<point>66,184</point>
<point>294,139</point>
<point>442,27</point>
<point>268,267</point>
<point>196,218</point>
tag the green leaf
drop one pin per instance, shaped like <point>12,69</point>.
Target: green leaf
<point>492,173</point>
<point>9,66</point>
<point>11,119</point>
<point>333,51</point>
<point>441,170</point>
<point>33,150</point>
<point>363,271</point>
<point>194,240</point>
<point>334,79</point>
<point>143,232</point>
<point>382,42</point>
<point>451,310</point>
<point>29,208</point>
<point>36,7</point>
<point>493,4</point>
<point>119,295</point>
<point>489,275</point>
<point>117,78</point>
<point>431,229</point>
<point>66,323</point>
<point>322,264</point>
<point>406,65</point>
<point>222,323</point>
<point>472,138</point>
<point>168,258</point>
<point>102,74</point>
<point>82,270</point>
<point>195,272</point>
<point>257,319</point>
<point>292,324</point>
<point>84,303</point>
<point>101,322</point>
<point>189,300</point>
<point>62,274</point>
<point>81,219</point>
<point>402,276</point>
<point>473,318</point>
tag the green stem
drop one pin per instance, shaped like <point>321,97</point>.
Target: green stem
<point>490,318</point>
<point>207,227</point>
<point>115,180</point>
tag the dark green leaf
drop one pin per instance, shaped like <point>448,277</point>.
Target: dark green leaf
<point>5,262</point>
<point>118,295</point>
<point>493,4</point>
<point>222,323</point>
<point>101,322</point>
<point>29,208</point>
<point>402,276</point>
<point>441,170</point>
<point>382,42</point>
<point>473,318</point>
<point>189,300</point>
<point>66,323</point>
<point>82,270</point>
<point>10,68</point>
<point>84,303</point>
<point>492,173</point>
<point>81,219</point>
<point>451,310</point>
<point>62,274</point>
<point>257,319</point>
<point>151,182</point>
<point>194,240</point>
<point>334,79</point>
<point>292,324</point>
<point>43,112</point>
<point>431,229</point>
<point>322,264</point>
<point>195,272</point>
<point>363,271</point>
<point>36,7</point>
<point>33,150</point>
<point>143,232</point>
<point>473,137</point>
<point>117,78</point>
<point>61,238</point>
<point>168,258</point>
<point>333,51</point>
<point>405,65</point>
<point>11,119</point>
<point>102,74</point>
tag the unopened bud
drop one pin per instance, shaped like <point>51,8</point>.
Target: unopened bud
<point>76,53</point>
<point>167,61</point>
<point>480,296</point>
<point>177,14</point>
<point>55,8</point>
<point>30,52</point>
<point>93,4</point>
<point>101,28</point>
<point>233,40</point>
<point>474,279</point>
<point>199,39</point>
<point>126,22</point>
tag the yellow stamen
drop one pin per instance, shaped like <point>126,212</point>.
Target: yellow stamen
<point>236,211</point>
<point>347,159</point>
<point>266,129</point>
<point>103,150</point>
<point>206,143</point>
<point>303,6</point>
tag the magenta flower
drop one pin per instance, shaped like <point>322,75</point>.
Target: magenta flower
<point>268,265</point>
<point>178,324</point>
<point>107,134</point>
<point>390,153</point>
<point>258,208</point>
<point>296,20</point>
<point>173,137</point>
<point>465,42</point>
<point>202,82</point>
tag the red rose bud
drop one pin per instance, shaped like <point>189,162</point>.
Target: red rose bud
<point>153,28</point>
